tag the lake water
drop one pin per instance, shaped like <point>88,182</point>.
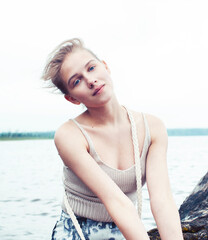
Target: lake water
<point>31,183</point>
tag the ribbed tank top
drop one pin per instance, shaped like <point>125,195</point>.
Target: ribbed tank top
<point>83,201</point>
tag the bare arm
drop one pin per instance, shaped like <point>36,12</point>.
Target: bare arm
<point>72,148</point>
<point>162,204</point>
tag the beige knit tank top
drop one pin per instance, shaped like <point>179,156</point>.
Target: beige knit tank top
<point>83,201</point>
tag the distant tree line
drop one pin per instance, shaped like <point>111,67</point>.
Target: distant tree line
<point>26,135</point>
<point>188,132</point>
<point>50,134</point>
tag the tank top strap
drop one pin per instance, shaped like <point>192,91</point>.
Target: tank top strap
<point>89,140</point>
<point>147,131</point>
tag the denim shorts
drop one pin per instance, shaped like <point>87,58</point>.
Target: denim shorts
<point>92,230</point>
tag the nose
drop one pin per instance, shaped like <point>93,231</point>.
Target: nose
<point>91,82</point>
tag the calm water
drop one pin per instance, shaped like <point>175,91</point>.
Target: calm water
<point>31,186</point>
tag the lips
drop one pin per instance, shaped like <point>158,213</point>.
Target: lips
<point>97,90</point>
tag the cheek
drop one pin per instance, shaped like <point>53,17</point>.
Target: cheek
<point>106,75</point>
<point>80,94</point>
<point>109,79</point>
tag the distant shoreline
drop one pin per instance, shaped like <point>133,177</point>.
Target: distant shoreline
<point>187,131</point>
<point>6,136</point>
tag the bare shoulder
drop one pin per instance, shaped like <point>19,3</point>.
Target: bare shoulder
<point>157,128</point>
<point>68,135</point>
<point>153,121</point>
<point>156,125</point>
<point>66,129</point>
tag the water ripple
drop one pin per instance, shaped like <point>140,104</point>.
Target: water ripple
<point>36,200</point>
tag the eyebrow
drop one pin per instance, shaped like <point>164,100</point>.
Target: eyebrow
<point>76,74</point>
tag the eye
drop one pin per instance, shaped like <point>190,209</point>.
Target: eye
<point>91,68</point>
<point>76,82</point>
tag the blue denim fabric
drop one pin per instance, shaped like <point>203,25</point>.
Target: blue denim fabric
<point>92,230</point>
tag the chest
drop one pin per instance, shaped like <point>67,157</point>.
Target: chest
<point>114,146</point>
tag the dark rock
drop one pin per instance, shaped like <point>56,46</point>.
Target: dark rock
<point>196,205</point>
<point>193,214</point>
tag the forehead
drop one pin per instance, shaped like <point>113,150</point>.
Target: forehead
<point>79,54</point>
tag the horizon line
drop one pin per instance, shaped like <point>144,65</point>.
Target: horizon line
<point>50,134</point>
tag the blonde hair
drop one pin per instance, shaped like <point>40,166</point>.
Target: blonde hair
<point>52,69</point>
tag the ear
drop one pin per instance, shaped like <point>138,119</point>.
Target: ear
<point>71,99</point>
<point>106,66</point>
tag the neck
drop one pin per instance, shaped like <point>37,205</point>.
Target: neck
<point>111,113</point>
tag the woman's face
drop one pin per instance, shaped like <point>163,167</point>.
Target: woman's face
<point>87,79</point>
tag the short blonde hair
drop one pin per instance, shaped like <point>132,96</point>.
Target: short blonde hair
<point>56,58</point>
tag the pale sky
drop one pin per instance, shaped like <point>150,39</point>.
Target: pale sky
<point>157,51</point>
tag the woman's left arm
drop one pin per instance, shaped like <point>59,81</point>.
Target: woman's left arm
<point>161,200</point>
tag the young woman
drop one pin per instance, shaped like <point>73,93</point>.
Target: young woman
<point>108,153</point>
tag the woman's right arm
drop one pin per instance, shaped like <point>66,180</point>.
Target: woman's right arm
<point>72,148</point>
